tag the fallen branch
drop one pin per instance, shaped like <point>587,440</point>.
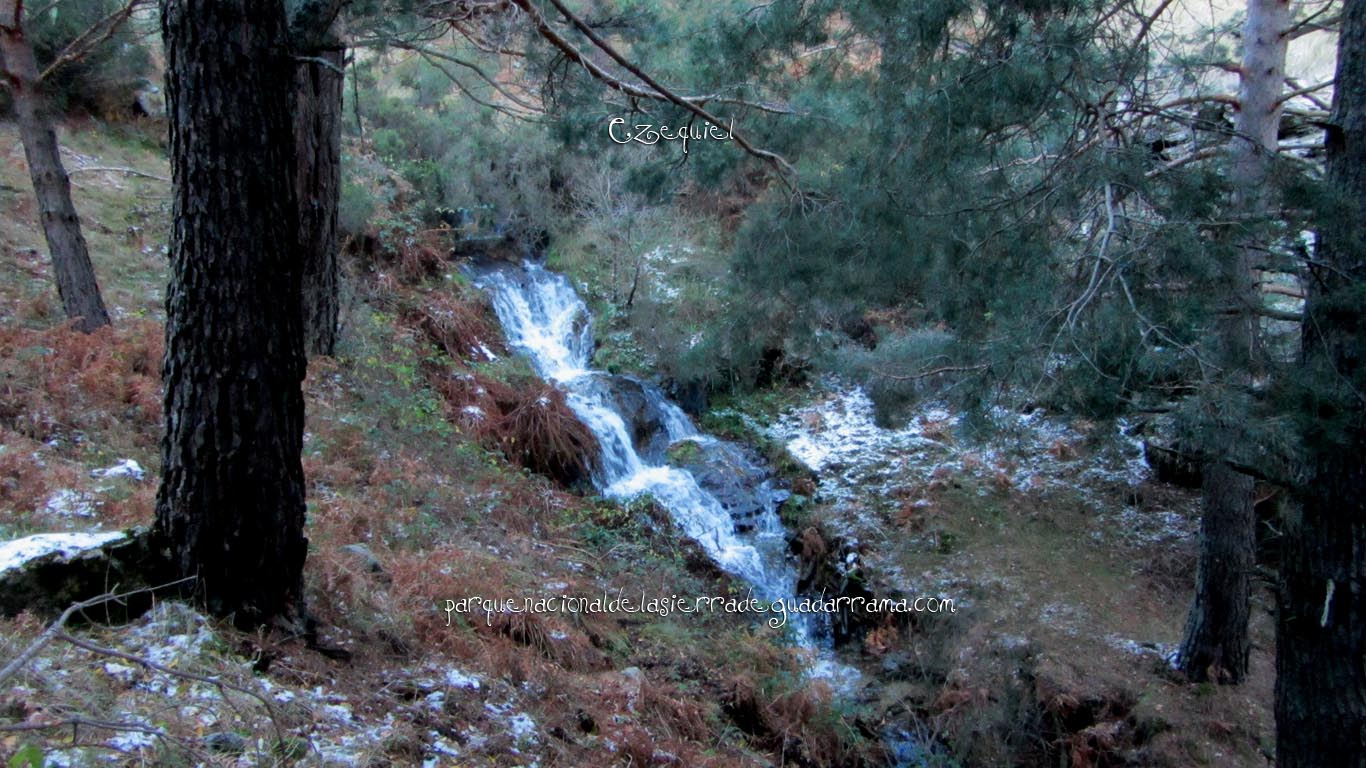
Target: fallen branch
<point>1305,91</point>
<point>57,631</point>
<point>49,635</point>
<point>934,372</point>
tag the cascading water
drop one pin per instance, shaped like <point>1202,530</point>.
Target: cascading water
<point>544,317</point>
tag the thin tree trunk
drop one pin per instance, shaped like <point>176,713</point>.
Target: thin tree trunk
<point>1216,645</point>
<point>71,265</point>
<point>230,509</point>
<point>317,134</point>
<point>1321,624</point>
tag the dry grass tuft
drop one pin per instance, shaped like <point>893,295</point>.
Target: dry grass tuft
<point>530,423</point>
<point>541,433</point>
<point>459,327</point>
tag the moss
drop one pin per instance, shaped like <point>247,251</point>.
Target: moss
<point>684,453</point>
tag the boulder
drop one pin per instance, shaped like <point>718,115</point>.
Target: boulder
<point>647,412</point>
<point>47,572</point>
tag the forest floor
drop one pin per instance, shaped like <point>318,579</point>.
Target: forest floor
<point>1071,583</point>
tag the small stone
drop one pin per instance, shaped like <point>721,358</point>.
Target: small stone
<point>365,556</point>
<point>226,742</point>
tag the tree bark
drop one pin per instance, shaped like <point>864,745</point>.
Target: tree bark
<point>1216,643</point>
<point>1321,624</point>
<point>318,83</point>
<point>317,134</point>
<point>230,509</point>
<point>71,265</point>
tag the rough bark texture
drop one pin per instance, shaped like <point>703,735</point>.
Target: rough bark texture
<point>61,226</point>
<point>1216,643</point>
<point>231,504</point>
<point>1321,625</point>
<point>318,82</point>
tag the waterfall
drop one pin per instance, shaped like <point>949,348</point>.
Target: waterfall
<point>543,317</point>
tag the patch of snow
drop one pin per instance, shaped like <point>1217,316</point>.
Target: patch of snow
<point>126,468</point>
<point>121,672</point>
<point>457,679</point>
<point>69,503</point>
<point>132,741</point>
<point>1159,650</point>
<point>14,554</point>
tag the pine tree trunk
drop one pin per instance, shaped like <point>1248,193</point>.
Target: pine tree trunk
<point>230,509</point>
<point>1216,643</point>
<point>1321,625</point>
<point>71,265</point>
<point>317,134</point>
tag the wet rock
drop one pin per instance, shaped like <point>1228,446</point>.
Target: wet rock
<point>830,566</point>
<point>730,472</point>
<point>691,395</point>
<point>365,557</point>
<point>645,410</point>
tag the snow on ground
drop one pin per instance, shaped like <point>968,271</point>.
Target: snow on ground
<point>856,459</point>
<point>870,474</point>
<point>330,727</point>
<point>14,554</point>
<point>69,503</point>
<point>125,468</point>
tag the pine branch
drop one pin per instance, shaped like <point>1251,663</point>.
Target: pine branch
<point>655,90</point>
<point>1305,91</point>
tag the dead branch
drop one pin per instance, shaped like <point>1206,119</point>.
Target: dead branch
<point>1305,91</point>
<point>1194,157</point>
<point>934,372</point>
<point>1315,100</point>
<point>430,54</point>
<point>51,634</point>
<point>1309,25</point>
<point>98,34</point>
<point>57,631</point>
<point>655,90</point>
<point>1282,290</point>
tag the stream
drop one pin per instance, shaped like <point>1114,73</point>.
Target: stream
<point>724,498</point>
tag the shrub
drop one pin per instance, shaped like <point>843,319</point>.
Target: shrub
<point>890,370</point>
<point>64,381</point>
